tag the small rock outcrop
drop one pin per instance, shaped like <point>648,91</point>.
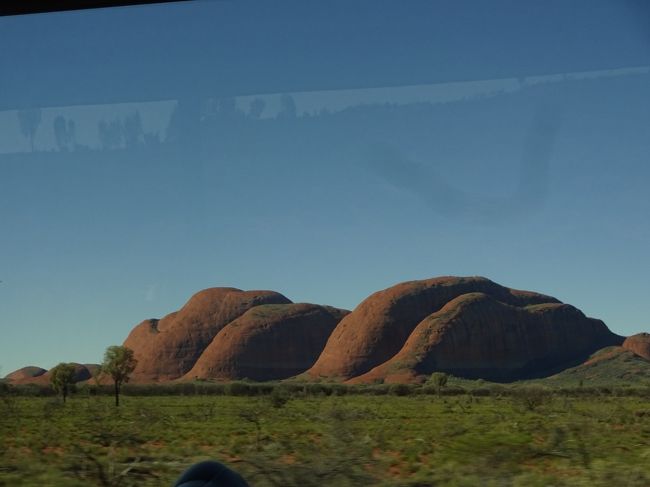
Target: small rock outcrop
<point>33,375</point>
<point>25,374</point>
<point>606,366</point>
<point>272,341</point>
<point>639,344</point>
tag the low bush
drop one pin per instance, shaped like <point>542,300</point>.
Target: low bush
<point>531,397</point>
<point>401,389</point>
<point>279,397</point>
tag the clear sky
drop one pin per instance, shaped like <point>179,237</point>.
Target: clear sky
<point>325,150</point>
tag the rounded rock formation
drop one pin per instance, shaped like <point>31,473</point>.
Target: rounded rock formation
<point>639,344</point>
<point>25,374</point>
<point>268,342</point>
<point>477,336</point>
<point>378,328</point>
<point>81,373</point>
<point>168,348</point>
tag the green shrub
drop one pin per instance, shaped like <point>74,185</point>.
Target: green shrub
<point>238,389</point>
<point>438,380</point>
<point>318,389</point>
<point>8,405</point>
<point>279,397</point>
<point>532,397</point>
<point>497,390</point>
<point>375,390</point>
<point>400,389</point>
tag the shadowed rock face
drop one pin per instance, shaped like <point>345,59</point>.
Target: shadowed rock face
<point>93,369</point>
<point>639,344</point>
<point>25,374</point>
<point>477,336</point>
<point>268,342</point>
<point>378,328</point>
<point>168,348</point>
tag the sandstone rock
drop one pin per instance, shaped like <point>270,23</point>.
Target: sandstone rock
<point>168,348</point>
<point>273,341</point>
<point>476,335</point>
<point>25,374</point>
<point>639,344</point>
<point>378,328</point>
<point>81,373</point>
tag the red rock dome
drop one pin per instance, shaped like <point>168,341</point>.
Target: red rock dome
<point>168,348</point>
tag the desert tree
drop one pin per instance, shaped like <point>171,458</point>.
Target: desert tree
<point>288,108</point>
<point>60,132</point>
<point>119,363</point>
<point>531,397</point>
<point>185,122</point>
<point>227,107</point>
<point>62,379</point>
<point>257,107</point>
<point>64,133</point>
<point>29,120</point>
<point>132,128</point>
<point>111,134</point>
<point>72,133</point>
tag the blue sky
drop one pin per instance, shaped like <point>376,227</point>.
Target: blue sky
<point>436,158</point>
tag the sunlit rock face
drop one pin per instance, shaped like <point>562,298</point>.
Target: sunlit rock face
<point>25,374</point>
<point>639,344</point>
